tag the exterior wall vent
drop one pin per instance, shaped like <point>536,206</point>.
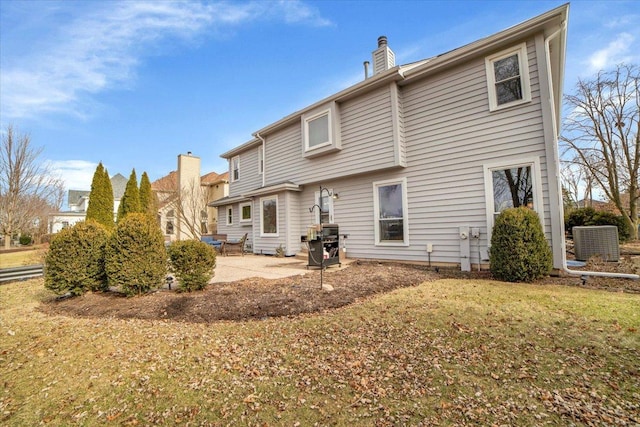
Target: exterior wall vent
<point>599,240</point>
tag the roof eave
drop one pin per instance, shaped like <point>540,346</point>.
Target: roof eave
<point>550,21</point>
<point>228,201</point>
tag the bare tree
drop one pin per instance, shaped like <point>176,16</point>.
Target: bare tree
<point>602,134</point>
<point>189,206</point>
<point>29,190</point>
<point>577,184</point>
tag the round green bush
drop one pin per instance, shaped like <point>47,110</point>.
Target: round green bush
<point>193,263</point>
<point>25,239</point>
<point>589,216</point>
<point>75,261</point>
<point>136,259</point>
<point>519,252</point>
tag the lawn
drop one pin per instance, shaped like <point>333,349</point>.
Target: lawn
<point>21,258</point>
<point>448,351</point>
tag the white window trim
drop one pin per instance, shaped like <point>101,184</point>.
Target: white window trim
<point>262,233</point>
<point>523,63</point>
<point>231,170</point>
<point>405,212</point>
<point>242,205</point>
<point>229,212</point>
<point>538,201</point>
<point>334,142</point>
<point>316,199</point>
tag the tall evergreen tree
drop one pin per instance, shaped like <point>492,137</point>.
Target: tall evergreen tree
<point>130,201</point>
<point>101,199</point>
<point>109,197</point>
<point>148,202</point>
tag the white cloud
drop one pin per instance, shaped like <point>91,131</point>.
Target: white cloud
<point>98,49</point>
<point>76,174</point>
<point>617,51</point>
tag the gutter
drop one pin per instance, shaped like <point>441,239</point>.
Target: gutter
<point>565,268</point>
<point>264,157</point>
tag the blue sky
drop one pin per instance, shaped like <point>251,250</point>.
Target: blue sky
<point>135,83</point>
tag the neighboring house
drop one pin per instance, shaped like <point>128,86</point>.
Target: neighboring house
<point>184,214</point>
<point>423,156</point>
<point>78,201</point>
<point>598,205</point>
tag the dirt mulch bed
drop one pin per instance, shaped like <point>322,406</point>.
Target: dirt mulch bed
<point>258,298</point>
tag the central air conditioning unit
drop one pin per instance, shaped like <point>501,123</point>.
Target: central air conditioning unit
<point>596,240</point>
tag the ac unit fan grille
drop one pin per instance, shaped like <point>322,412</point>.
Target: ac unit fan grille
<point>598,240</point>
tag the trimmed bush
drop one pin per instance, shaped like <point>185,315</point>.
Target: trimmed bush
<point>75,261</point>
<point>193,263</point>
<point>589,216</point>
<point>519,252</point>
<point>25,239</point>
<point>136,259</point>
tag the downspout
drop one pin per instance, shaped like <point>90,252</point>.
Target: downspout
<point>556,136</point>
<point>264,157</point>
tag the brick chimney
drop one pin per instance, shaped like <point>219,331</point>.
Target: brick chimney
<point>383,57</point>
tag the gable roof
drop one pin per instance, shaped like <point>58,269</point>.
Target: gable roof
<point>75,196</point>
<point>118,184</point>
<point>166,183</point>
<point>170,182</point>
<point>214,178</point>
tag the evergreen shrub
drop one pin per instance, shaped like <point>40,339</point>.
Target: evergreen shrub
<point>75,261</point>
<point>193,262</point>
<point>25,239</point>
<point>519,252</point>
<point>136,258</point>
<point>589,216</point>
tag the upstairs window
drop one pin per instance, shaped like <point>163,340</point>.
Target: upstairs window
<point>235,168</point>
<point>321,131</point>
<point>261,159</point>
<point>318,130</point>
<point>508,78</point>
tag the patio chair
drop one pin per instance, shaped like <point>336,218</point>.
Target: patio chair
<point>235,246</point>
<point>215,240</point>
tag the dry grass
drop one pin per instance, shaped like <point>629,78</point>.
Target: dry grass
<point>450,351</point>
<point>21,258</point>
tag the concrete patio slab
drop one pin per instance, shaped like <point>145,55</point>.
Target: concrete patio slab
<point>232,268</point>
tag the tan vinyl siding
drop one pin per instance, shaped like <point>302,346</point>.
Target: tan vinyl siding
<point>442,140</point>
<point>249,177</point>
<point>288,225</point>
<point>293,215</point>
<point>449,136</point>
<point>367,144</point>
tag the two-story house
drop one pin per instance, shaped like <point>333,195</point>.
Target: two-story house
<point>183,196</point>
<point>415,161</point>
<point>78,202</point>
